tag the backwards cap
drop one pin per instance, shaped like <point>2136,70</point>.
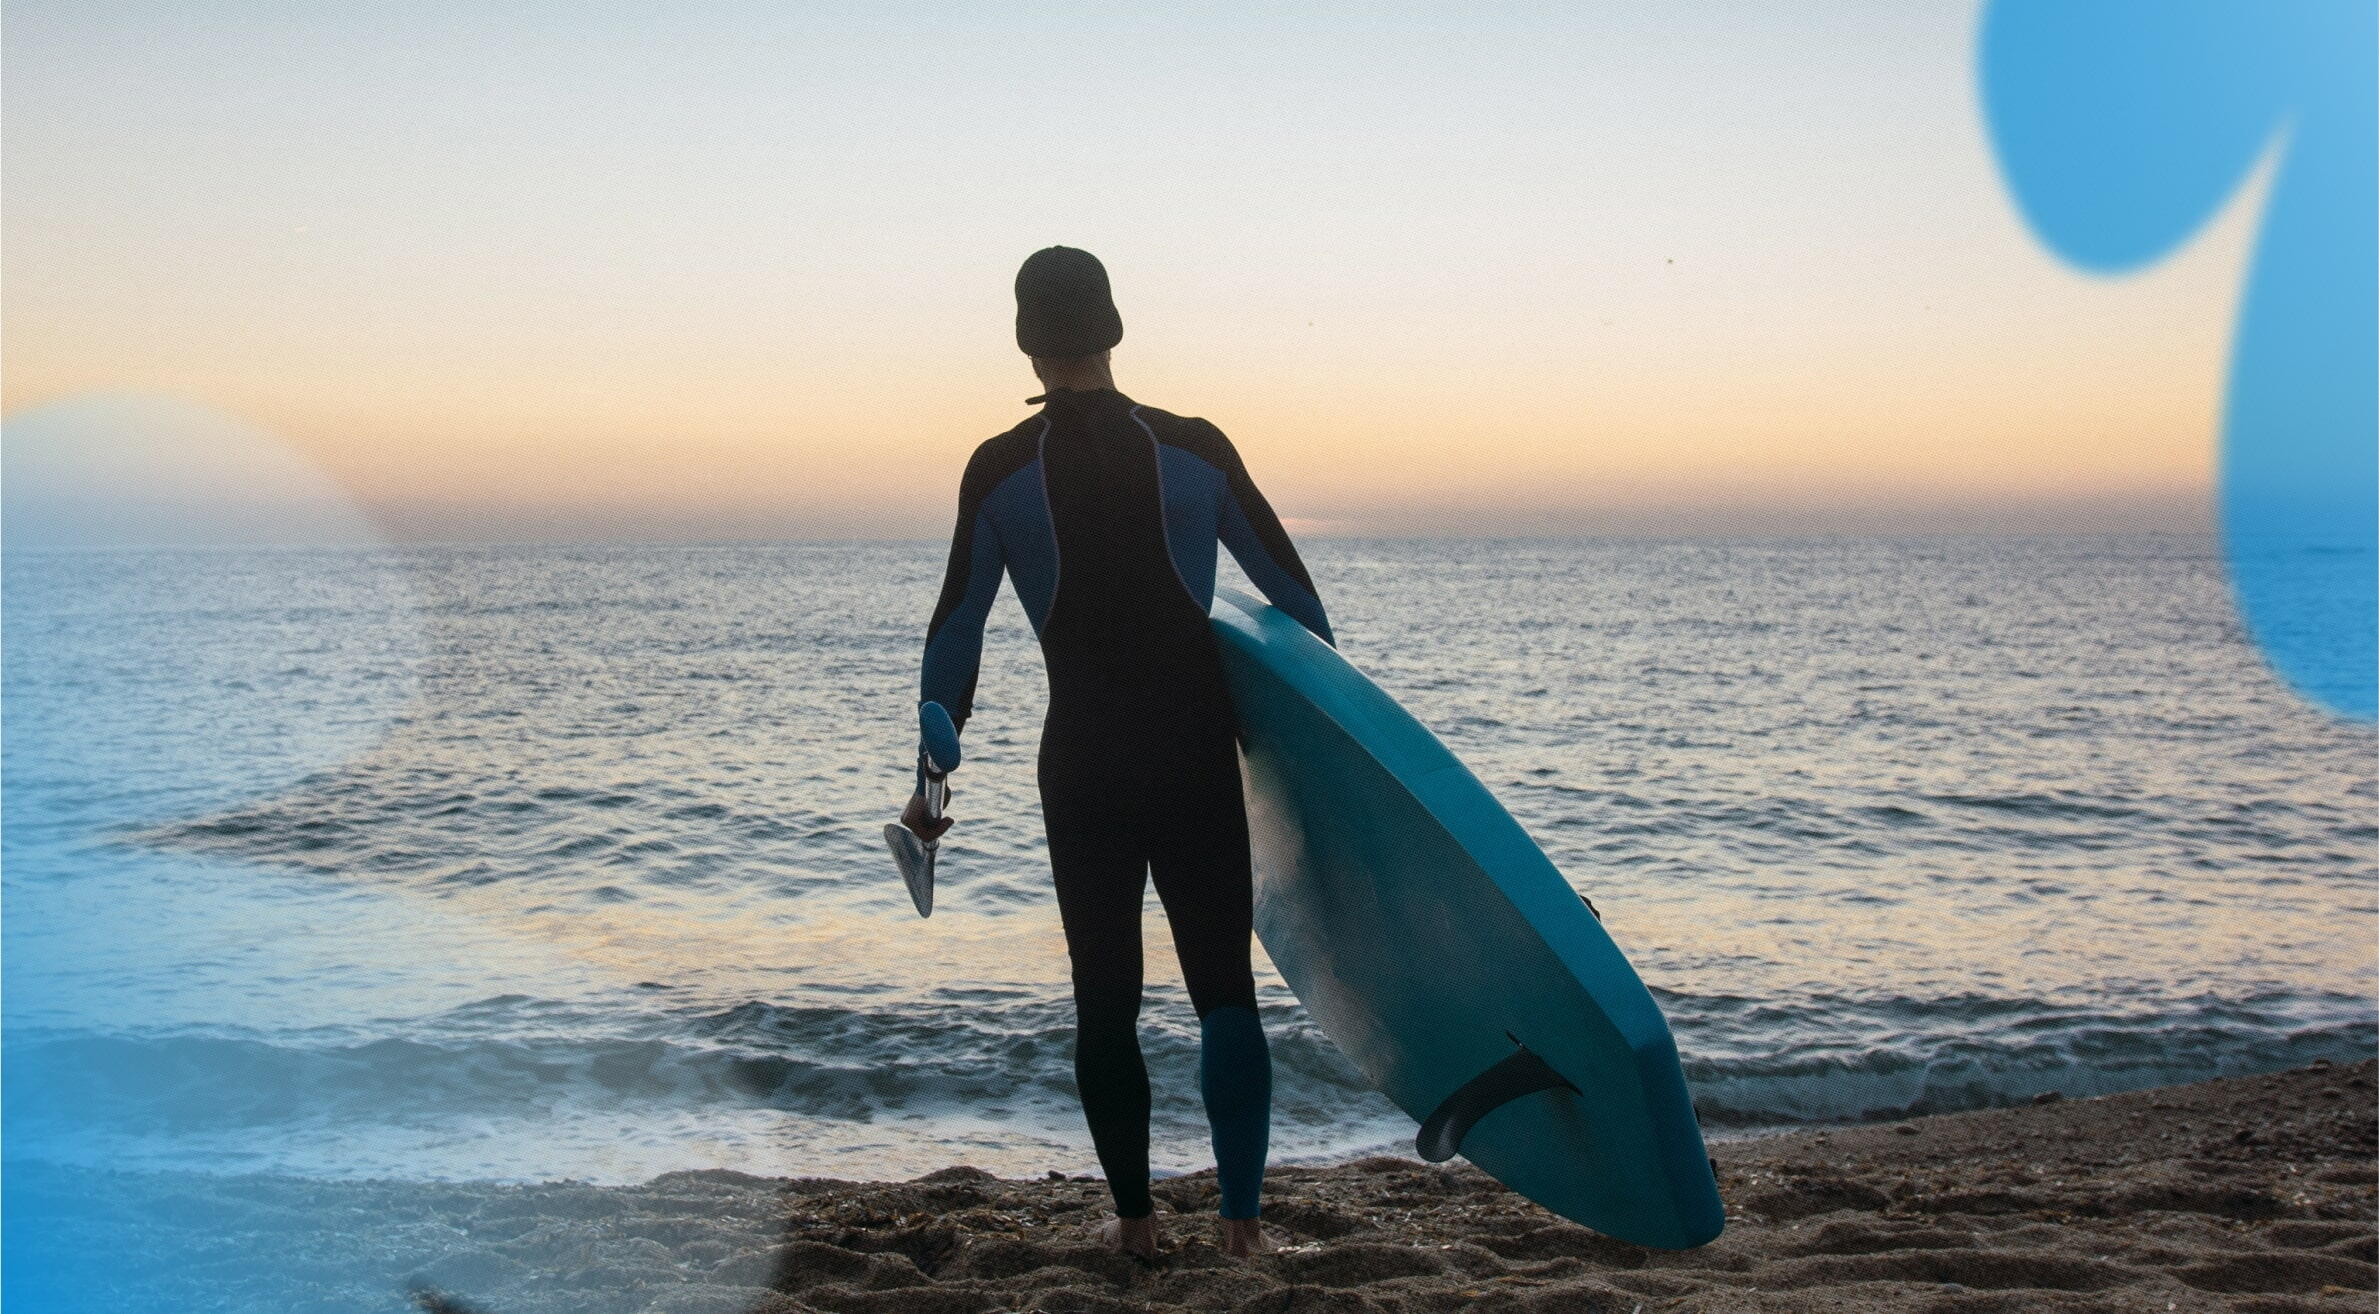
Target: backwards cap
<point>1063,306</point>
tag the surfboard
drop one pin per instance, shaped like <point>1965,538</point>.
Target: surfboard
<point>1440,950</point>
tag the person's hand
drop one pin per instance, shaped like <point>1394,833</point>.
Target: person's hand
<point>927,828</point>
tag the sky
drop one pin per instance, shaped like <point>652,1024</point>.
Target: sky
<point>525,271</point>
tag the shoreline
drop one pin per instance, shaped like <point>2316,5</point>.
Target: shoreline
<point>2248,1194</point>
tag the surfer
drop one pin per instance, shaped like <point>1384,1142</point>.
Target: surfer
<point>1107,514</point>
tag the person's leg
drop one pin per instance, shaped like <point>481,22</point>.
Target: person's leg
<point>1204,879</point>
<point>1099,890</point>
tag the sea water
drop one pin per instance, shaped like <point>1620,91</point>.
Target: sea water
<point>565,861</point>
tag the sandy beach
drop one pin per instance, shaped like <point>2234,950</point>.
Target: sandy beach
<point>2251,1194</point>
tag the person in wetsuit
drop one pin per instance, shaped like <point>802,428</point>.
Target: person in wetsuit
<point>1106,514</point>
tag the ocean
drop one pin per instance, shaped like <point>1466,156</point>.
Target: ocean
<point>537,862</point>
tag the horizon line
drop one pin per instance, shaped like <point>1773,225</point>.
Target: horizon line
<point>1604,536</point>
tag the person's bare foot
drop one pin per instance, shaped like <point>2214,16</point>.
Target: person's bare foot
<point>1130,1236</point>
<point>1246,1236</point>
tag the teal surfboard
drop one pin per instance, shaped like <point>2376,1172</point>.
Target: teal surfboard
<point>1443,953</point>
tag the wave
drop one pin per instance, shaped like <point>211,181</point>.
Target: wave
<point>1783,1091</point>
<point>821,1063</point>
<point>1852,1062</point>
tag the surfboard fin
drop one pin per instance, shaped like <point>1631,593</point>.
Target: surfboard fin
<point>1519,1073</point>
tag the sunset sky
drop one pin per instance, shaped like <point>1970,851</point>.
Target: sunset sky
<point>742,270</point>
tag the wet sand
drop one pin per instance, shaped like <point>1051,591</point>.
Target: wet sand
<point>2253,1194</point>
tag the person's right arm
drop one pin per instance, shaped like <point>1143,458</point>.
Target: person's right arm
<point>1262,548</point>
<point>954,638</point>
<point>970,584</point>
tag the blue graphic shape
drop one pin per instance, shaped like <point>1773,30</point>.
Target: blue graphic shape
<point>196,615</point>
<point>2121,127</point>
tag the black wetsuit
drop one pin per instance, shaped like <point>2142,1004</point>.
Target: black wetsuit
<point>1107,515</point>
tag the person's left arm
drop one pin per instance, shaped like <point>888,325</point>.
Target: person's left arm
<point>1254,535</point>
